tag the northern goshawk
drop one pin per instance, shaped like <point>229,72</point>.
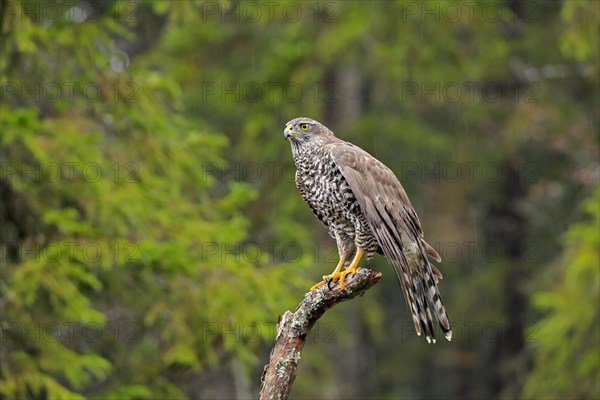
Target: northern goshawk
<point>366,210</point>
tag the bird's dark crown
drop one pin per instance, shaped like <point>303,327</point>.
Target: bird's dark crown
<point>303,129</point>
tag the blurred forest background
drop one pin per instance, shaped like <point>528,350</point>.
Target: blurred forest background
<point>151,232</point>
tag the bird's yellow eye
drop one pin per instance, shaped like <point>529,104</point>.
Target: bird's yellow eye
<point>304,127</point>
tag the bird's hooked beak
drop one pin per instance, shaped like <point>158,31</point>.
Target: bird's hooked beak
<point>288,132</point>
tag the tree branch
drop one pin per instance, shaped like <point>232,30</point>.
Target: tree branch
<point>293,328</point>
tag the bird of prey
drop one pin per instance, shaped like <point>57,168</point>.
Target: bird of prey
<point>366,210</point>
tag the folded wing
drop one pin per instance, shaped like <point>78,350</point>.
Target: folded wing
<point>396,227</point>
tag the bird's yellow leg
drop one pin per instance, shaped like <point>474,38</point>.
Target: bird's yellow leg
<point>351,268</point>
<point>335,275</point>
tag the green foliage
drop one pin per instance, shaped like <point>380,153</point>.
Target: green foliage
<point>580,39</point>
<point>117,271</point>
<point>566,357</point>
<point>140,259</point>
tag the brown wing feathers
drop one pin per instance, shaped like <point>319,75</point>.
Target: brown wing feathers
<point>396,226</point>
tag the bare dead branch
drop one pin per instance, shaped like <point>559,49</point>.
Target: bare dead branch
<point>293,328</point>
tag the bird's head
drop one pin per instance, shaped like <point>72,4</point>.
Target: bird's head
<point>304,130</point>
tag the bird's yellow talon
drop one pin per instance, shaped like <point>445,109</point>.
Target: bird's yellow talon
<point>334,277</point>
<point>350,270</point>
